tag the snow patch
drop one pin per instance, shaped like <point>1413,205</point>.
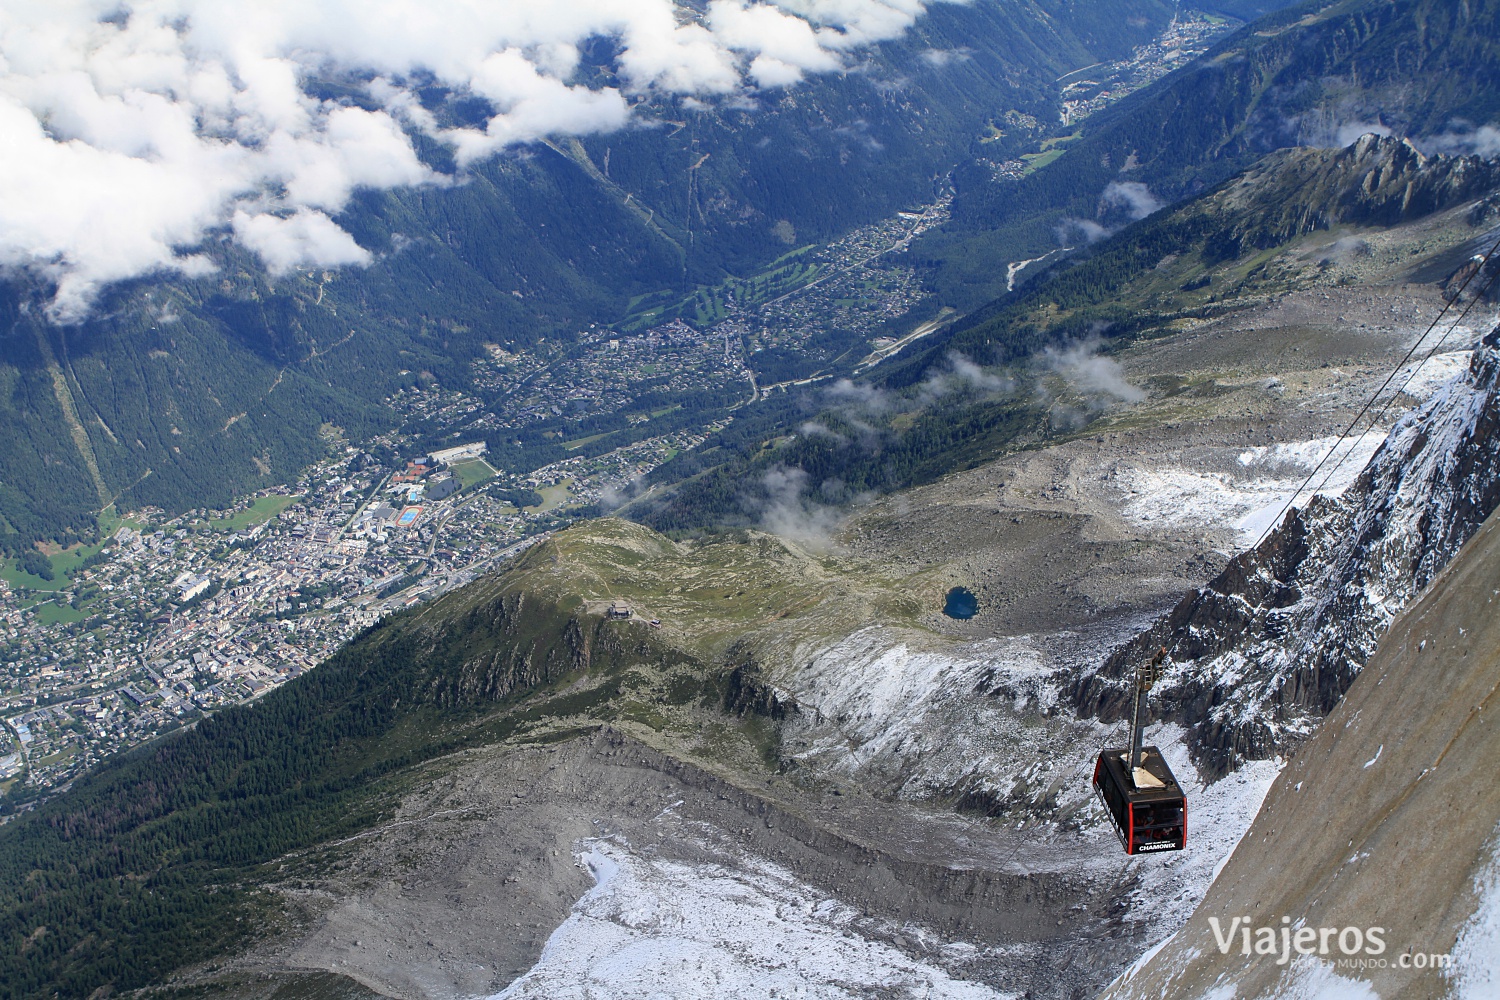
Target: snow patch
<point>1475,972</point>
<point>982,716</point>
<point>1313,979</point>
<point>969,720</point>
<point>1250,494</point>
<point>1423,379</point>
<point>655,928</point>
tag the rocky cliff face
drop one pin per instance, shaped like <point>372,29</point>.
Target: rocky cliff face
<point>1374,181</point>
<point>1265,650</point>
<point>1385,820</point>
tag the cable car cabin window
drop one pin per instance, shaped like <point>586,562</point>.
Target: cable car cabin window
<point>1156,827</point>
<point>1149,812</point>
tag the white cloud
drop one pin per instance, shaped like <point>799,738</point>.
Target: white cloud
<point>944,57</point>
<point>1092,374</point>
<point>786,510</point>
<point>1483,141</point>
<point>1071,230</point>
<point>961,374</point>
<point>859,396</point>
<point>784,46</point>
<point>131,129</point>
<point>533,104</point>
<point>306,239</point>
<point>850,23</point>
<point>1133,196</point>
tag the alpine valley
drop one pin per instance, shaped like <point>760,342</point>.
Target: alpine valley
<point>704,555</point>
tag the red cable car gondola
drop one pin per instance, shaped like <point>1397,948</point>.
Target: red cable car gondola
<point>1138,789</point>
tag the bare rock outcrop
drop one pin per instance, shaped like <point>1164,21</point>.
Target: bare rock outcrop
<point>1263,652</point>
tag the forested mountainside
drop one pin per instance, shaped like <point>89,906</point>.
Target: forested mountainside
<point>177,392</point>
<point>207,842</point>
<point>1173,265</point>
<point>1317,73</point>
<point>926,415</point>
<point>156,860</point>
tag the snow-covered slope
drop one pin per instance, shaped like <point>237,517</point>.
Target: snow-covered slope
<point>1264,651</point>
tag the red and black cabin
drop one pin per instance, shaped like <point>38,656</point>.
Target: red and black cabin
<point>1138,789</point>
<point>1149,810</point>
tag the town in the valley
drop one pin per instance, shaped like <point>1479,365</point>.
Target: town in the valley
<point>169,618</point>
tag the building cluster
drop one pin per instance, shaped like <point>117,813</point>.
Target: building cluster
<point>174,617</point>
<point>610,372</point>
<point>858,288</point>
<point>180,616</point>
<point>1187,37</point>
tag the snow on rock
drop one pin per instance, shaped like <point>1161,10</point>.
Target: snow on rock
<point>1315,979</point>
<point>1269,646</point>
<point>983,724</point>
<point>1421,379</point>
<point>1475,971</point>
<point>977,722</point>
<point>1251,493</point>
<point>657,928</point>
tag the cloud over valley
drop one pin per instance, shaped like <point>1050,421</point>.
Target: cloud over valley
<point>132,131</point>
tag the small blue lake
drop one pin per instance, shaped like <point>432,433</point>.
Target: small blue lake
<point>961,604</point>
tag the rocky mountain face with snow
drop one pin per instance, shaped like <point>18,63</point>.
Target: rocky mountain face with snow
<point>802,775</point>
<point>1263,652</point>
<point>1382,828</point>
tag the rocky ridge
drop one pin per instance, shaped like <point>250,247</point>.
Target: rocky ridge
<point>1263,652</point>
<point>1375,181</point>
<point>1384,820</point>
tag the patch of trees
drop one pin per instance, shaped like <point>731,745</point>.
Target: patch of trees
<point>520,497</point>
<point>35,562</point>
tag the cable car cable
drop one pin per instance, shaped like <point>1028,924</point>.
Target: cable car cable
<point>1398,393</point>
<point>1484,264</point>
<point>1125,783</point>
